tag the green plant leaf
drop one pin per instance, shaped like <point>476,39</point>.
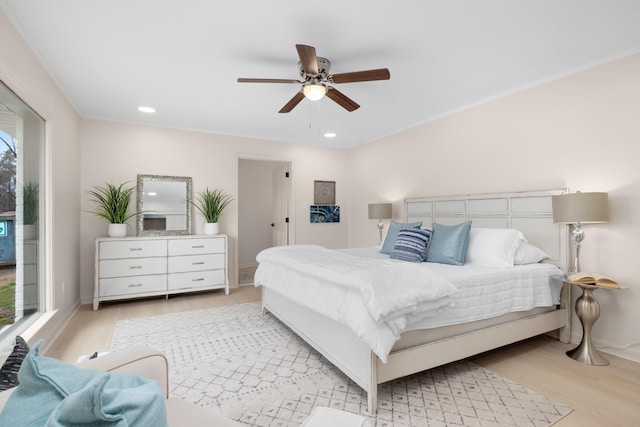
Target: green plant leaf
<point>112,202</point>
<point>30,203</point>
<point>211,203</point>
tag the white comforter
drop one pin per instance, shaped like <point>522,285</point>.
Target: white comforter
<point>394,293</point>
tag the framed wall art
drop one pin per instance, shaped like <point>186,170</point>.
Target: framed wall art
<point>324,213</point>
<point>324,192</point>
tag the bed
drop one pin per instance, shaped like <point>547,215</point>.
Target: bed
<point>370,354</point>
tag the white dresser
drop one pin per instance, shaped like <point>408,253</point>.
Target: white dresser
<point>29,298</point>
<point>132,267</point>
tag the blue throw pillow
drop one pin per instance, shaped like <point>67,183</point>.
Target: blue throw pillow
<point>112,400</point>
<point>411,245</point>
<point>449,243</point>
<point>392,234</point>
<point>54,393</point>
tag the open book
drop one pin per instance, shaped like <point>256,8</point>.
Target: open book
<point>593,278</point>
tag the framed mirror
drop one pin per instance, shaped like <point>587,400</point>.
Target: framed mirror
<point>165,205</point>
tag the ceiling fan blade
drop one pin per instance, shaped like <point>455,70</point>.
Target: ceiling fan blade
<point>250,80</point>
<point>308,59</point>
<point>292,102</point>
<point>341,99</point>
<point>361,76</point>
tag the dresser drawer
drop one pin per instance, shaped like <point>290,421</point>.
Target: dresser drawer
<point>30,253</point>
<point>132,267</point>
<point>30,274</point>
<point>197,246</point>
<point>133,285</point>
<point>196,279</point>
<point>30,296</point>
<point>179,264</point>
<point>133,249</point>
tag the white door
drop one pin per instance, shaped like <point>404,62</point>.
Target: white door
<point>281,205</point>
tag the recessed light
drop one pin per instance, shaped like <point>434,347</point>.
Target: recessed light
<point>146,109</point>
<point>330,135</point>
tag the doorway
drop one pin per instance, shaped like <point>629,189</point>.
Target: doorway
<point>263,211</point>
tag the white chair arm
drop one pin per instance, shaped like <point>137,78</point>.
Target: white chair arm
<point>137,360</point>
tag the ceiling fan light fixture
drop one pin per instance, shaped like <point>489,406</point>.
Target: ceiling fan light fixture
<point>314,91</point>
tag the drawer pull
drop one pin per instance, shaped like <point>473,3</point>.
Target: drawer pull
<point>135,285</point>
<point>197,263</point>
<point>135,249</point>
<point>197,247</point>
<point>135,267</point>
<point>201,279</point>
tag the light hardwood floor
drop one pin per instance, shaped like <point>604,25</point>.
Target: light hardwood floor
<point>599,395</point>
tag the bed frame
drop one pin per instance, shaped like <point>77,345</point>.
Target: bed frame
<point>529,212</point>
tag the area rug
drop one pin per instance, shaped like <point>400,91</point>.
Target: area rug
<point>253,369</point>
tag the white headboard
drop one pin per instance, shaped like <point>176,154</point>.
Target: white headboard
<point>528,211</point>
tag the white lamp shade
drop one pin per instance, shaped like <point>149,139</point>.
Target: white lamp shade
<point>380,211</point>
<point>580,208</point>
<point>314,92</point>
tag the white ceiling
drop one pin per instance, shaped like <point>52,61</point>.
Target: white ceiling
<point>183,57</point>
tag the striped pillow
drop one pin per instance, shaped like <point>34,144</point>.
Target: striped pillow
<point>411,245</point>
<point>9,371</point>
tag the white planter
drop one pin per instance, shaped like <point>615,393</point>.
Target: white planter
<point>117,230</point>
<point>211,228</point>
<point>29,232</point>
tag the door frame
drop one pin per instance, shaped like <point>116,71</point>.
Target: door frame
<point>292,215</point>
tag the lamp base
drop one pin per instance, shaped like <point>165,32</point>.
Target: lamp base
<point>577,235</point>
<point>380,227</point>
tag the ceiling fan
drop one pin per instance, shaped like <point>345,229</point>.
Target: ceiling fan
<point>314,71</point>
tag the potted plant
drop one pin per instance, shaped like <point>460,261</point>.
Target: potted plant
<point>211,203</point>
<point>112,204</point>
<point>30,210</point>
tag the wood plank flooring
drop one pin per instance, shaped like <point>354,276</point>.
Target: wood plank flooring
<point>599,395</point>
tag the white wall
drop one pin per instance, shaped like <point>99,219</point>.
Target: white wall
<point>117,152</point>
<point>580,132</point>
<point>21,71</point>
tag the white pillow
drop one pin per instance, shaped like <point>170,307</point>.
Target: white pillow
<point>529,254</point>
<point>493,246</point>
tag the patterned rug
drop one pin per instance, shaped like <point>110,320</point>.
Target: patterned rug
<point>253,369</point>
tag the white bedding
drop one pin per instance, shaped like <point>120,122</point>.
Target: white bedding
<point>482,291</point>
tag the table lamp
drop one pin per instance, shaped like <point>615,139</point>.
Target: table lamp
<point>577,209</point>
<point>380,211</point>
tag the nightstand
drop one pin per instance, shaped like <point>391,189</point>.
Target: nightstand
<point>588,311</point>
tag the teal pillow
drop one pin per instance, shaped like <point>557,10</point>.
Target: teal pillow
<point>392,234</point>
<point>112,400</point>
<point>449,243</point>
<point>54,393</point>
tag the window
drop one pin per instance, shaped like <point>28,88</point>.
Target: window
<point>21,212</point>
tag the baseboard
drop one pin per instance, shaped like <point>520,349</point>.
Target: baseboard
<point>630,352</point>
<point>248,265</point>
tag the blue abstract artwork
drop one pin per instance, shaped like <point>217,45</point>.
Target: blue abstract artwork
<point>324,213</point>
